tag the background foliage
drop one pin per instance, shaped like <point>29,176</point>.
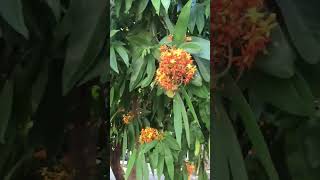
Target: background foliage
<point>53,67</point>
<point>270,114</point>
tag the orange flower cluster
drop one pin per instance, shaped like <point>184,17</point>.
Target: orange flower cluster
<point>127,118</point>
<point>175,68</point>
<point>149,134</point>
<point>243,25</point>
<point>190,168</point>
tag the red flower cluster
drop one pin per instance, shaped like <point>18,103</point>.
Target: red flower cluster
<point>175,68</point>
<point>147,135</point>
<point>243,25</point>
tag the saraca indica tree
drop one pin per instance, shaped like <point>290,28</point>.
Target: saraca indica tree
<point>159,99</point>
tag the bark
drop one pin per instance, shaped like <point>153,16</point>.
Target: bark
<point>83,140</point>
<point>115,163</point>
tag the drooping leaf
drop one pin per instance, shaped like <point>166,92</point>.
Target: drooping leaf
<point>142,6</point>
<point>160,166</point>
<point>113,60</point>
<point>232,92</point>
<point>190,105</point>
<point>131,162</point>
<point>156,4</point>
<point>6,98</point>
<point>166,4</point>
<point>182,24</point>
<point>299,18</point>
<point>88,34</point>
<point>113,32</point>
<point>282,93</point>
<point>12,12</point>
<point>39,87</point>
<point>200,19</point>
<point>151,68</point>
<point>231,144</point>
<point>123,54</point>
<point>205,47</point>
<point>128,4</point>
<point>55,7</point>
<point>191,47</point>
<point>185,118</point>
<point>124,144</point>
<point>278,61</point>
<point>171,142</point>
<point>169,162</point>
<point>177,119</point>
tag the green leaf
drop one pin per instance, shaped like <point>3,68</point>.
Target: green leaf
<point>139,166</point>
<point>299,18</point>
<point>87,38</point>
<point>113,60</point>
<point>151,69</point>
<point>207,10</point>
<point>6,98</point>
<point>145,167</point>
<point>197,80</point>
<point>156,4</point>
<point>278,61</point>
<point>182,24</point>
<point>142,6</point>
<point>205,47</point>
<point>189,103</point>
<point>55,7</point>
<point>132,137</point>
<point>138,69</point>
<point>171,142</point>
<point>154,157</point>
<point>169,25</point>
<point>131,162</point>
<point>191,47</point>
<point>124,144</point>
<point>39,87</point>
<point>197,147</point>
<point>230,142</point>
<point>111,96</point>
<point>232,92</point>
<point>200,19</point>
<point>193,18</point>
<point>169,162</point>
<point>160,166</point>
<point>177,119</point>
<point>204,68</point>
<point>128,4</point>
<point>12,12</point>
<point>123,53</point>
<point>185,118</point>
<point>282,93</point>
<point>113,32</point>
<point>149,146</point>
<point>166,4</point>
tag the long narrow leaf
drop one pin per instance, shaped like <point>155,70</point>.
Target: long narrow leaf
<point>233,92</point>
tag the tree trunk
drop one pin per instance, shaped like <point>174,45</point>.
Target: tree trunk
<point>83,139</point>
<point>115,163</point>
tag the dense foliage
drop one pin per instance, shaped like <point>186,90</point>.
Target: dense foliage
<point>159,97</point>
<point>266,89</point>
<point>53,66</point>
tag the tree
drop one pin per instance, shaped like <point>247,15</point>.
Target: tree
<point>159,95</point>
<point>53,75</point>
